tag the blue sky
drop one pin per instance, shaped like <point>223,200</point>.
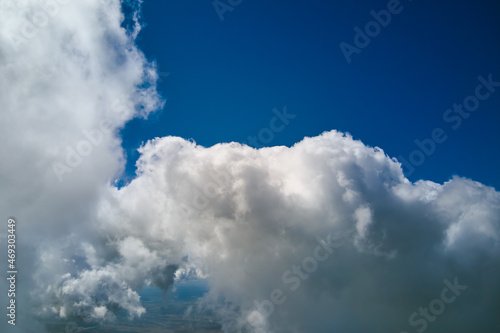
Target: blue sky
<point>225,77</point>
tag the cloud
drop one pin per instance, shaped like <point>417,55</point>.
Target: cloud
<point>70,78</point>
<point>322,236</point>
<point>264,211</point>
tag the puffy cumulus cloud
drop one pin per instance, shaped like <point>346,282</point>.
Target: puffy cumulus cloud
<point>326,235</point>
<point>70,77</point>
<point>100,279</point>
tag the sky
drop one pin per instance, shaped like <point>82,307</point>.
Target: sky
<point>287,167</point>
<point>223,78</point>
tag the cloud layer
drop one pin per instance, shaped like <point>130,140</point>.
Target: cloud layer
<point>327,235</point>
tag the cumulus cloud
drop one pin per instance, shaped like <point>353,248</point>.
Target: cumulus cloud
<point>252,219</point>
<point>70,77</point>
<point>327,235</point>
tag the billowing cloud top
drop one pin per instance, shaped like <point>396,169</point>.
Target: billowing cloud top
<point>324,236</point>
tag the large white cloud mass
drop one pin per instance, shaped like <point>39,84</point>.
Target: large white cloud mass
<point>329,230</point>
<point>324,236</point>
<point>70,77</point>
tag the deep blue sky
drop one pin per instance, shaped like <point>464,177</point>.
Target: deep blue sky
<point>225,77</point>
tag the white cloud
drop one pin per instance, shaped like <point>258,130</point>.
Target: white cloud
<point>265,210</point>
<point>251,221</point>
<point>66,69</point>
